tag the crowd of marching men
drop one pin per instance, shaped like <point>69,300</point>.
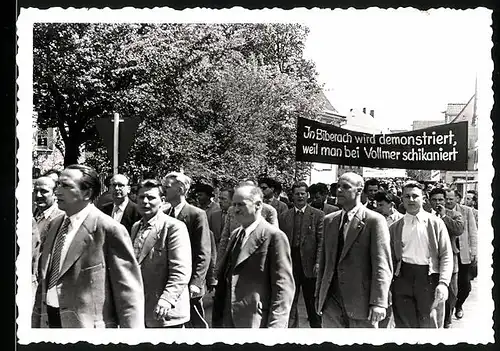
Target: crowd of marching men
<point>385,254</point>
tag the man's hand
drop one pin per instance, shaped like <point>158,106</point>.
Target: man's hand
<point>376,314</point>
<point>162,308</point>
<point>211,288</point>
<point>194,291</point>
<point>441,292</point>
<point>473,259</point>
<point>316,270</point>
<point>440,210</point>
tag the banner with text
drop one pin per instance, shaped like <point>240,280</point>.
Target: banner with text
<point>442,147</point>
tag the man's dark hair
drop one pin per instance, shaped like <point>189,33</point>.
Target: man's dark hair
<point>333,189</point>
<point>229,190</point>
<point>384,196</point>
<point>271,183</point>
<point>151,184</point>
<point>204,188</point>
<point>318,188</point>
<point>89,181</point>
<point>372,181</point>
<point>300,184</point>
<point>52,171</point>
<point>436,191</point>
<point>458,194</point>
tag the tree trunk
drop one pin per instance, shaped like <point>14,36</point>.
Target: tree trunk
<point>72,152</point>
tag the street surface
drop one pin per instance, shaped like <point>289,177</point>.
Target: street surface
<point>472,314</point>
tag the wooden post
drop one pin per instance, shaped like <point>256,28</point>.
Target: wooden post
<point>116,130</point>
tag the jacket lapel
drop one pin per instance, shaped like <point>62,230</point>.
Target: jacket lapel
<point>253,242</point>
<point>332,235</point>
<point>355,227</point>
<point>80,241</point>
<point>49,242</point>
<point>306,220</point>
<point>398,239</point>
<point>289,219</point>
<point>150,239</point>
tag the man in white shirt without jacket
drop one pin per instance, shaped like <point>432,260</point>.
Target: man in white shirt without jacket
<point>423,263</point>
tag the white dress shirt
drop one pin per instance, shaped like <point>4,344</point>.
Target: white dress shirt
<point>350,215</point>
<point>249,230</point>
<point>76,221</point>
<point>118,211</point>
<point>415,239</point>
<point>179,207</point>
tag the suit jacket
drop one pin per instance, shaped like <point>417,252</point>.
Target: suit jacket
<point>311,240</point>
<point>455,227</point>
<point>262,286</point>
<point>216,224</point>
<point>441,255</point>
<point>211,208</point>
<point>35,249</point>
<point>268,213</point>
<point>201,243</point>
<point>100,283</point>
<point>365,267</point>
<point>468,240</point>
<point>130,214</point>
<point>279,206</point>
<point>165,261</point>
<point>327,208</point>
<point>43,223</point>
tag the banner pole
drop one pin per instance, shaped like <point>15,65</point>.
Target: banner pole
<point>116,129</point>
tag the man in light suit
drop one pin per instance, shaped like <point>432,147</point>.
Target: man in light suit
<point>355,270</point>
<point>89,277</point>
<point>318,193</point>
<point>256,287</point>
<point>267,212</point>
<point>423,263</point>
<point>176,187</point>
<point>467,248</point>
<point>122,209</point>
<point>303,226</point>
<point>163,250</point>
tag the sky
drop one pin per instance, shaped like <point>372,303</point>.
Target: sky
<point>405,64</point>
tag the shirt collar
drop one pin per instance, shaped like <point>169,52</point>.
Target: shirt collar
<point>421,216</point>
<point>123,204</point>
<point>78,218</point>
<point>252,226</point>
<point>46,214</point>
<point>151,221</point>
<point>352,212</point>
<point>179,207</point>
<point>303,209</point>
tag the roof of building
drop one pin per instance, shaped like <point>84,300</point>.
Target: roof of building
<point>328,105</point>
<point>426,124</point>
<point>454,109</point>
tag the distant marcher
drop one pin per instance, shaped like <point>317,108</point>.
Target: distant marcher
<point>455,227</point>
<point>386,207</point>
<point>46,208</point>
<point>372,186</point>
<point>269,188</point>
<point>318,193</point>
<point>106,197</point>
<point>122,209</point>
<point>204,194</point>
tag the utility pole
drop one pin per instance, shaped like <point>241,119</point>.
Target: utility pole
<point>116,141</point>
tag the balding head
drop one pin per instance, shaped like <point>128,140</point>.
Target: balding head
<point>43,192</point>
<point>349,189</point>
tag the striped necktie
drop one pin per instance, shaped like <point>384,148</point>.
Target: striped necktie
<point>56,257</point>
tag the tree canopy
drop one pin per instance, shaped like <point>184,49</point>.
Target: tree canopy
<point>218,101</point>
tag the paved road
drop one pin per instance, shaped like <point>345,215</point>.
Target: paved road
<point>472,315</point>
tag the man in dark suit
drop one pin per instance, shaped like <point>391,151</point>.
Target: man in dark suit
<point>163,250</point>
<point>122,209</point>
<point>204,194</point>
<point>176,187</point>
<point>303,226</point>
<point>35,250</point>
<point>269,188</point>
<point>355,270</point>
<point>372,186</point>
<point>256,287</point>
<point>318,193</point>
<point>89,277</point>
<point>217,218</point>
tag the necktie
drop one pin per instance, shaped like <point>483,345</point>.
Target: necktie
<point>140,238</point>
<point>38,215</point>
<point>171,212</point>
<point>297,228</point>
<point>116,210</point>
<point>340,245</point>
<point>56,257</point>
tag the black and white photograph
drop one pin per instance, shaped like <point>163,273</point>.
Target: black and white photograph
<point>224,170</point>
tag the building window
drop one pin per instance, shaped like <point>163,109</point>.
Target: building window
<point>42,139</point>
